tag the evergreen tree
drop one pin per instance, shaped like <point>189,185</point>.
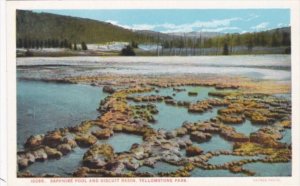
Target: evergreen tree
<point>37,44</point>
<point>83,46</point>
<point>75,46</point>
<point>225,49</point>
<point>56,43</point>
<point>52,45</point>
<point>61,44</point>
<point>286,40</point>
<point>29,43</point>
<point>249,41</point>
<point>49,43</point>
<point>25,43</point>
<point>45,43</point>
<point>275,41</point>
<point>41,44</point>
<point>66,44</point>
<point>134,44</point>
<point>20,43</point>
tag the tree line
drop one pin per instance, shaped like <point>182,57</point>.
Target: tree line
<point>49,43</point>
<point>265,39</point>
<point>224,43</point>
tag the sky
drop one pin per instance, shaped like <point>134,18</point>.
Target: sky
<point>188,20</point>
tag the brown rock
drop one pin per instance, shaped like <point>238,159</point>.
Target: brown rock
<point>267,137</point>
<point>200,136</point>
<point>34,141</point>
<point>40,154</point>
<point>132,166</point>
<point>53,153</point>
<point>193,151</point>
<point>181,131</point>
<point>193,93</point>
<point>70,142</point>
<point>52,139</point>
<point>85,140</point>
<point>108,89</point>
<point>64,148</point>
<point>103,134</point>
<point>98,155</point>
<point>23,163</point>
<point>236,169</point>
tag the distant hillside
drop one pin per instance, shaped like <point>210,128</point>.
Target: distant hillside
<point>178,35</point>
<point>198,34</point>
<point>42,26</point>
<point>45,30</point>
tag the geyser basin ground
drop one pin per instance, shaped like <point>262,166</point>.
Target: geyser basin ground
<point>227,115</point>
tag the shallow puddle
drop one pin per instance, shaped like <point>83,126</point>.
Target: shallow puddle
<point>246,128</point>
<point>159,167</point>
<point>215,143</point>
<point>269,169</point>
<point>214,173</point>
<point>122,142</point>
<point>284,96</point>
<point>287,136</point>
<point>171,117</point>
<point>220,160</point>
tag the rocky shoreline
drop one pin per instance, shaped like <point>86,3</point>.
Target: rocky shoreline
<point>242,100</point>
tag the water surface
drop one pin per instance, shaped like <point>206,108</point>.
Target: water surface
<point>42,106</point>
<point>220,160</point>
<point>171,117</point>
<point>246,128</point>
<point>159,167</point>
<point>215,143</point>
<point>122,142</point>
<point>270,169</point>
<point>287,136</point>
<point>63,167</point>
<point>214,173</point>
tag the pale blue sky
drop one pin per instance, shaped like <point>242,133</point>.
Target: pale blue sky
<point>176,20</point>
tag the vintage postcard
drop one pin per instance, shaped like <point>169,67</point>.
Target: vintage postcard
<point>172,92</point>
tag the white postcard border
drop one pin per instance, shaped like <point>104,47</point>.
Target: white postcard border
<point>135,4</point>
